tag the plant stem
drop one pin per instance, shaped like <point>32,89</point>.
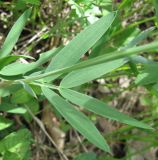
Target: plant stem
<point>41,125</point>
<point>98,60</point>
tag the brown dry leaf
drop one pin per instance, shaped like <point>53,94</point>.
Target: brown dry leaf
<point>52,125</point>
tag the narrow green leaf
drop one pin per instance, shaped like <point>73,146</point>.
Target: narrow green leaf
<point>100,108</point>
<point>21,68</point>
<point>28,89</point>
<point>5,123</point>
<point>82,76</point>
<point>77,119</point>
<point>10,108</point>
<point>11,58</point>
<point>141,36</point>
<point>148,75</point>
<point>14,34</point>
<point>71,53</point>
<point>140,59</point>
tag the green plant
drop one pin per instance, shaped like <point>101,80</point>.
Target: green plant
<point>23,84</point>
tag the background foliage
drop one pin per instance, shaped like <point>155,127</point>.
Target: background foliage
<point>70,72</point>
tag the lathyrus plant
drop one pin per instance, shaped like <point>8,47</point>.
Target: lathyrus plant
<point>23,84</point>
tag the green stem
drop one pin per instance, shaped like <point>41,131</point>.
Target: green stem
<point>45,85</point>
<point>98,60</point>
